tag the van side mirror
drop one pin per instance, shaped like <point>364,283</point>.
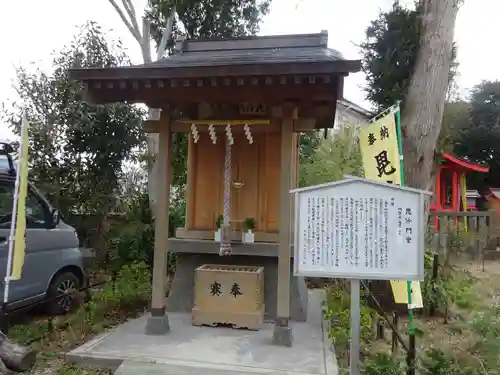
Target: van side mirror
<point>55,217</point>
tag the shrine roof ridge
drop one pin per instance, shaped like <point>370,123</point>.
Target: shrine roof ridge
<point>472,194</point>
<point>348,179</point>
<point>252,42</point>
<point>269,55</point>
<point>248,56</point>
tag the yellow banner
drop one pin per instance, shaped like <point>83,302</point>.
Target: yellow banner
<point>463,190</point>
<point>400,293</point>
<point>379,149</point>
<point>381,162</point>
<point>20,239</point>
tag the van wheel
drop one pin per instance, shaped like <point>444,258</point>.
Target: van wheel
<point>63,294</point>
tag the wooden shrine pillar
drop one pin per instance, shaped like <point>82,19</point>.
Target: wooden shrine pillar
<point>438,188</point>
<point>438,196</point>
<point>158,323</point>
<point>282,334</point>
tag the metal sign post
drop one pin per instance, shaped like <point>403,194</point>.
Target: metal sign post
<point>355,327</point>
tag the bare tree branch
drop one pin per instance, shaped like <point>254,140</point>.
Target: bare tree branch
<point>146,44</point>
<point>125,20</point>
<point>167,34</point>
<point>129,7</point>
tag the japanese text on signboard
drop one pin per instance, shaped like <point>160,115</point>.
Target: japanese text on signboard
<point>361,230</point>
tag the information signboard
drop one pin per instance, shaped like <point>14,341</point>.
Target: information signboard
<point>359,229</point>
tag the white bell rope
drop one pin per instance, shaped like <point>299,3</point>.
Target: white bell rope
<point>225,247</point>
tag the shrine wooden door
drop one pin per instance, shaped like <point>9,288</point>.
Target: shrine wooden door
<point>245,179</point>
<point>255,181</point>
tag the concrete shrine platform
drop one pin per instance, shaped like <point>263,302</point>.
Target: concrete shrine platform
<point>189,350</point>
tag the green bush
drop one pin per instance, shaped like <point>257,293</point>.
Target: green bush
<point>333,158</point>
<point>451,288</point>
<point>433,362</point>
<point>131,236</point>
<point>117,301</point>
<point>486,325</point>
<point>436,362</point>
<point>382,364</point>
<point>337,310</point>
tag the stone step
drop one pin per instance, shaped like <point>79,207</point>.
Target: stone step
<point>143,368</point>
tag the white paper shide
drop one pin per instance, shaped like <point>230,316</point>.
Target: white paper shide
<point>356,228</point>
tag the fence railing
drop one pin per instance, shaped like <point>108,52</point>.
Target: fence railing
<point>478,221</point>
<point>472,232</point>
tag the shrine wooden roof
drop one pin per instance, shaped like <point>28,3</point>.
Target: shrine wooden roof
<point>260,60</point>
<point>256,50</point>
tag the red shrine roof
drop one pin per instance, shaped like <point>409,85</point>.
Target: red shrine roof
<point>464,163</point>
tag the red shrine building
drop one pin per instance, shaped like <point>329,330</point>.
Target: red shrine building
<point>450,176</point>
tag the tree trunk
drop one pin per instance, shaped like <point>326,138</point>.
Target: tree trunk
<point>424,104</point>
<point>15,357</point>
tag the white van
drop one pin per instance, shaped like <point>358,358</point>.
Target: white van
<point>54,266</point>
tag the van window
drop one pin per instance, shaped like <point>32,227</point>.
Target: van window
<point>35,210</point>
<point>4,163</point>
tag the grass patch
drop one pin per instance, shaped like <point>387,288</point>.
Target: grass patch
<point>58,367</point>
<point>462,339</point>
<point>110,306</point>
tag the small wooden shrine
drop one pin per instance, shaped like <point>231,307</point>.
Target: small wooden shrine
<point>472,197</point>
<point>244,103</point>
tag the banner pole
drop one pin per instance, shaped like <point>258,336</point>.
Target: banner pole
<point>401,166</point>
<point>411,328</point>
<point>400,142</point>
<point>10,255</point>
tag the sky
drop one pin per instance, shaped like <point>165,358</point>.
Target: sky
<point>48,25</point>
